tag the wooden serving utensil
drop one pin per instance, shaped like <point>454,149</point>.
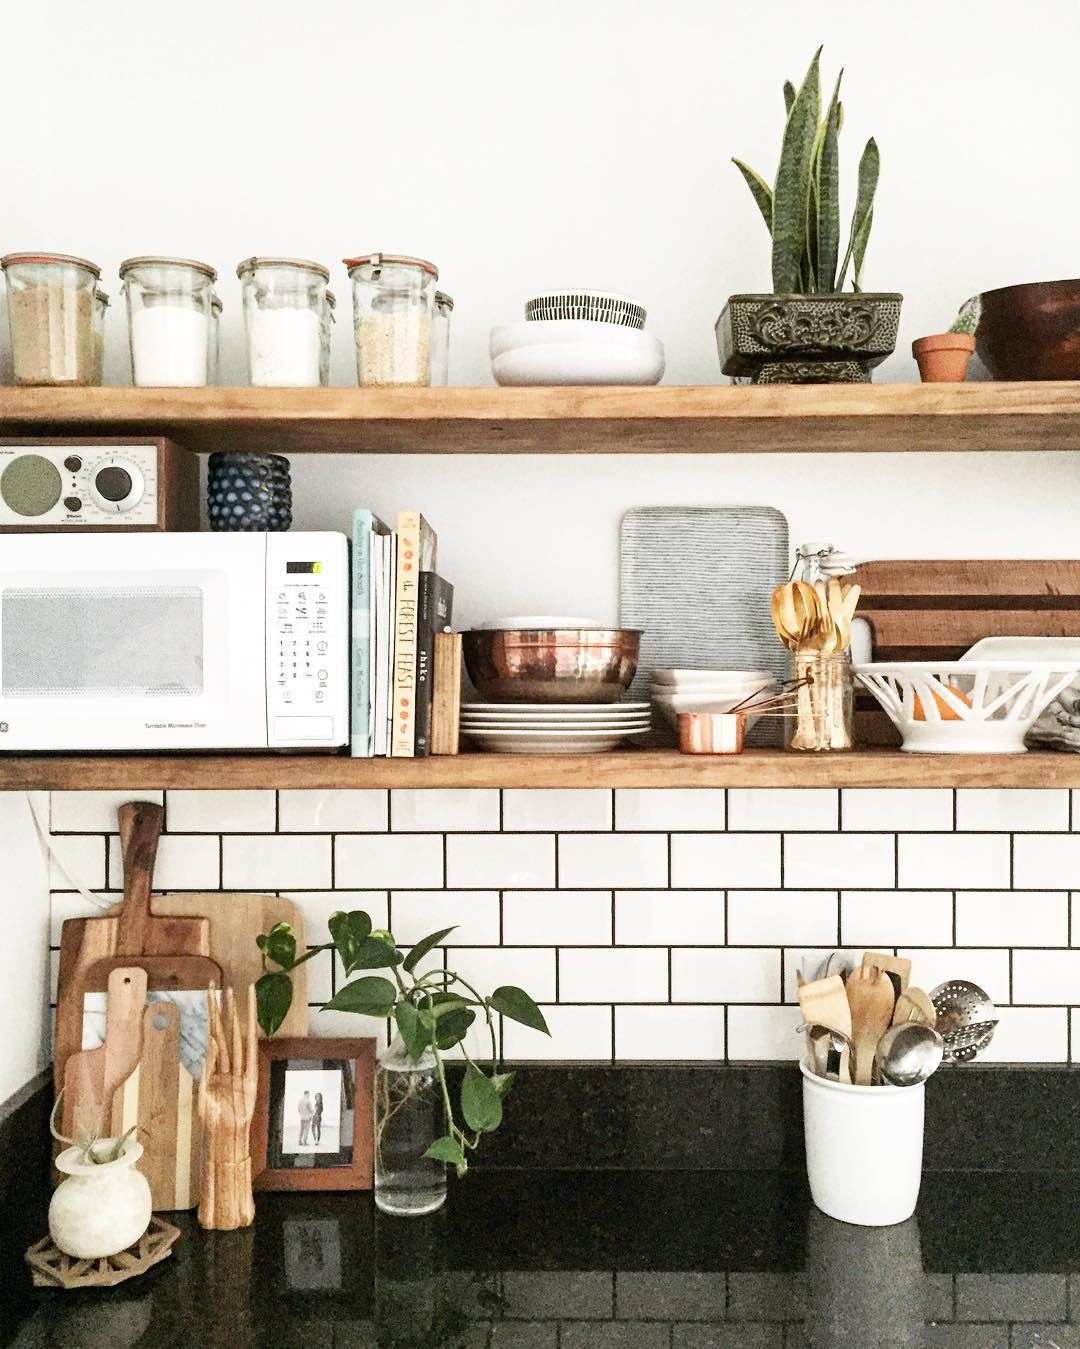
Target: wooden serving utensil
<point>898,968</point>
<point>823,1003</point>
<point>871,999</point>
<point>914,1005</point>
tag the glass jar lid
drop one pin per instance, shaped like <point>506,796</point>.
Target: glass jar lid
<point>149,261</point>
<point>15,259</point>
<point>302,264</point>
<point>377,260</point>
<point>444,301</point>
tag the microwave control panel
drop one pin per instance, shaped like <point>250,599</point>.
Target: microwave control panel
<point>94,484</point>
<point>307,639</point>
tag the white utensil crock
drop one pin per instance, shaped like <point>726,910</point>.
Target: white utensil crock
<point>100,1209</point>
<point>863,1149</point>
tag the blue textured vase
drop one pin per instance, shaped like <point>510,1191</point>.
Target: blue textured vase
<point>248,492</point>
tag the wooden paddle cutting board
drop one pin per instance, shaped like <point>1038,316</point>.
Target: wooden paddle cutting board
<point>92,1076</point>
<point>159,1096</point>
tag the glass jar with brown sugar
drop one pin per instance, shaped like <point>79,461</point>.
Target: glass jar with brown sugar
<point>51,305</point>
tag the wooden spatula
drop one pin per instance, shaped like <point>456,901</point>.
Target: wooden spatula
<point>824,1003</point>
<point>914,1005</point>
<point>871,1000</point>
<point>898,968</point>
<point>92,1077</point>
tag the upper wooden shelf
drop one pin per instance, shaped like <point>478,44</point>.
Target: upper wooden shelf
<point>868,417</point>
<point>628,768</point>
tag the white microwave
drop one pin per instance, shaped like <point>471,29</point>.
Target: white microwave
<point>174,641</point>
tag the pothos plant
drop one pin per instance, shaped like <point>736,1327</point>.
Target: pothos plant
<point>433,1012</point>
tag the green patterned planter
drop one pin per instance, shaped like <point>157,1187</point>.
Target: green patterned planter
<point>807,339</point>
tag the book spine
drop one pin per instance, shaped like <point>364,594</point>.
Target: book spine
<point>436,612</point>
<point>446,702</point>
<point>406,612</point>
<point>360,671</point>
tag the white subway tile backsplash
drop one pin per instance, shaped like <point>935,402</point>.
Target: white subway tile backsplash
<point>724,861</point>
<point>335,1025</point>
<point>70,904</point>
<point>219,812</point>
<point>554,810</point>
<point>191,862</point>
<point>1046,977</point>
<point>274,862</point>
<point>988,969</point>
<point>764,1033</point>
<point>389,861</point>
<point>576,1033</point>
<point>807,960</point>
<point>953,861</point>
<point>725,974</point>
<point>1012,918</point>
<point>487,968</point>
<point>1029,1035</point>
<point>1012,810</point>
<point>896,809</point>
<point>889,918</point>
<point>316,906</point>
<point>782,808</point>
<point>669,917</point>
<point>500,860</point>
<point>613,860</point>
<point>93,812</point>
<point>669,808</point>
<point>443,809</point>
<point>553,917</point>
<point>666,1033</point>
<point>841,861</point>
<point>636,974</point>
<point>332,812</point>
<point>78,859</point>
<point>780,917</point>
<point>474,914</point>
<point>1047,861</point>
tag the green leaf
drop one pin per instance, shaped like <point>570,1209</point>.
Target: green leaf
<point>446,1005</point>
<point>414,1034</point>
<point>792,190</point>
<point>481,1103</point>
<point>760,190</point>
<point>279,945</point>
<point>422,947</point>
<point>372,996</point>
<point>789,95</point>
<point>518,1006</point>
<point>502,1082</point>
<point>348,931</point>
<point>827,194</point>
<point>374,954</point>
<point>273,998</point>
<point>446,1149</point>
<point>863,216</point>
<point>452,1028</point>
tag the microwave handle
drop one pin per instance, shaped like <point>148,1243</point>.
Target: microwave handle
<point>140,828</point>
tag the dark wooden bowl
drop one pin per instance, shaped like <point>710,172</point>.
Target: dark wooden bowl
<point>1031,331</point>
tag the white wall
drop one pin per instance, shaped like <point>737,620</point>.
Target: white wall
<point>24,921</point>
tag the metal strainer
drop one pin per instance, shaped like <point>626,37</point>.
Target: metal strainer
<point>965,1019</point>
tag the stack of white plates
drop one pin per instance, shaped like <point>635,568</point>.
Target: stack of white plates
<point>675,691</point>
<point>552,728</point>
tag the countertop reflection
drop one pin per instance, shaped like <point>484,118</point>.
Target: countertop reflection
<point>528,1260</point>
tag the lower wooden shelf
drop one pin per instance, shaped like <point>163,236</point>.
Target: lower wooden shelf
<point>628,768</point>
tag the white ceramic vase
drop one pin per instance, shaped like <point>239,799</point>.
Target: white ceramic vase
<point>101,1208</point>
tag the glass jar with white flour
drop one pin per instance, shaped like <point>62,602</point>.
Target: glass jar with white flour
<point>284,302</point>
<point>169,320</point>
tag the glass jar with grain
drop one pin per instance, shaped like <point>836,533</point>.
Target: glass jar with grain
<point>51,315</point>
<point>283,319</point>
<point>440,338</point>
<point>392,310</point>
<point>101,304</point>
<point>169,319</point>
<point>329,318</point>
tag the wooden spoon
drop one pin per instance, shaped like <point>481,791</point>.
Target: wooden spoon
<point>871,1000</point>
<point>898,968</point>
<point>824,1003</point>
<point>914,1005</point>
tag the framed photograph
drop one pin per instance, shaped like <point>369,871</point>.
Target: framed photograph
<point>312,1128</point>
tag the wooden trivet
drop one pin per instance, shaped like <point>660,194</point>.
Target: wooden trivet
<point>51,1268</point>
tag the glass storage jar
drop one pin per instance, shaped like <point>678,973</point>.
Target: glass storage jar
<point>101,304</point>
<point>51,316</point>
<point>392,308</point>
<point>329,318</point>
<point>824,713</point>
<point>215,336</point>
<point>168,307</point>
<point>283,319</point>
<point>440,338</point>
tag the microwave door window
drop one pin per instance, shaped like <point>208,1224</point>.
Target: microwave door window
<point>108,641</point>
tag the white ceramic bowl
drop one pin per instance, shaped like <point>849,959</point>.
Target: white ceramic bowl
<point>669,705</point>
<point>965,706</point>
<point>545,332</point>
<point>569,363</point>
<point>709,679</point>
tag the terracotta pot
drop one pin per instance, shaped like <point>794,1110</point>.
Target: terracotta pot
<point>943,359</point>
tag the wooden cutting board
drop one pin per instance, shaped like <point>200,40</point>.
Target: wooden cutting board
<point>92,1076</point>
<point>236,919</point>
<point>159,1096</point>
<point>85,941</point>
<point>936,610</point>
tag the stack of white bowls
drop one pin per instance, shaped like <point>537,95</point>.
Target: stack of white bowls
<point>577,337</point>
<point>675,691</point>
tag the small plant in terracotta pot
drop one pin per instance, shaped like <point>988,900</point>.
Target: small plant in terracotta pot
<point>943,358</point>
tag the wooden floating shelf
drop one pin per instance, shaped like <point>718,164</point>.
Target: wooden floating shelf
<point>628,768</point>
<point>665,419</point>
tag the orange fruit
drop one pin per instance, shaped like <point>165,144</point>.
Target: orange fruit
<point>947,712</point>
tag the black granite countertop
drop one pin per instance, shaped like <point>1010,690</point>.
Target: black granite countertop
<point>652,1260</point>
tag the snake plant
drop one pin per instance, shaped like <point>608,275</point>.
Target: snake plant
<point>802,208</point>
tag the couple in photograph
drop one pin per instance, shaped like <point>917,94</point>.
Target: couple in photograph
<point>311,1113</point>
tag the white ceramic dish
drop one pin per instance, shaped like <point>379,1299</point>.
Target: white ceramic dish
<point>710,679</point>
<point>546,332</point>
<point>563,710</point>
<point>966,706</point>
<point>571,363</point>
<point>543,723</point>
<point>548,742</point>
<point>669,705</point>
<point>1025,649</point>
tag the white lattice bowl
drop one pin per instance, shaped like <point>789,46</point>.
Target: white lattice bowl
<point>965,706</point>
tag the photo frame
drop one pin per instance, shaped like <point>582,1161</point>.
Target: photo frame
<point>313,1125</point>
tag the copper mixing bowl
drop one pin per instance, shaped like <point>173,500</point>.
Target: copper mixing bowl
<point>1031,331</point>
<point>551,665</point>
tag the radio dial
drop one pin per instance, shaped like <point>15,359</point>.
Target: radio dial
<point>117,486</point>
